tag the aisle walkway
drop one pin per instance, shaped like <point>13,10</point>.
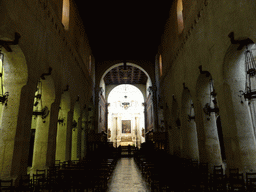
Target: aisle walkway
<point>127,177</point>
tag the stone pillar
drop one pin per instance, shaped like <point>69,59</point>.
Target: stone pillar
<point>61,138</point>
<point>41,142</point>
<point>114,132</point>
<point>189,132</point>
<point>85,138</point>
<point>242,138</point>
<point>74,140</point>
<point>21,148</point>
<point>69,135</point>
<point>153,91</point>
<point>79,135</point>
<point>145,118</point>
<point>190,144</point>
<point>98,92</point>
<point>84,127</point>
<point>119,129</point>
<point>51,148</point>
<point>208,132</point>
<point>14,131</point>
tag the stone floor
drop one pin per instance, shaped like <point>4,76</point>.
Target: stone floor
<point>127,177</point>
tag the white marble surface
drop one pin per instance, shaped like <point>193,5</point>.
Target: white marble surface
<point>127,177</point>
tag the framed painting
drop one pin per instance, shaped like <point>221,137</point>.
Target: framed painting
<point>126,126</point>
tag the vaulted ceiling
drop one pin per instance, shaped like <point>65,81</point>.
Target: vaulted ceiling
<point>124,30</point>
<point>125,75</point>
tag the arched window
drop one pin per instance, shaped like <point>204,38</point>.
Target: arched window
<point>160,65</point>
<point>180,16</point>
<point>65,14</point>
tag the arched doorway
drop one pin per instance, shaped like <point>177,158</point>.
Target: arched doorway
<point>126,116</point>
<point>127,74</point>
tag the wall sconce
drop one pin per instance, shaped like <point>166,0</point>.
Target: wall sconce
<point>61,121</point>
<point>74,125</point>
<point>249,93</point>
<point>4,98</point>
<point>207,108</point>
<point>44,113</point>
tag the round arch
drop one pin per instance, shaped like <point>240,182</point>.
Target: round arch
<point>128,64</point>
<point>240,127</point>
<point>101,83</point>
<point>15,77</point>
<point>126,116</point>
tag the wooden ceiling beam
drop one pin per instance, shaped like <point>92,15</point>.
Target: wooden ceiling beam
<point>139,76</point>
<point>111,76</point>
<point>132,76</point>
<point>118,74</point>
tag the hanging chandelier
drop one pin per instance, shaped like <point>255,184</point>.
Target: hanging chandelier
<point>250,67</point>
<point>125,103</point>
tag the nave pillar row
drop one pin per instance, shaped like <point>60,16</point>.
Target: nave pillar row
<point>11,144</point>
<point>41,123</point>
<point>188,127</point>
<point>62,127</point>
<point>13,126</point>
<point>208,139</point>
<point>241,137</point>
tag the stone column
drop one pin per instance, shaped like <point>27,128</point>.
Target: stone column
<point>74,140</point>
<point>153,91</point>
<point>190,144</point>
<point>14,131</point>
<point>242,138</point>
<point>61,138</point>
<point>114,132</point>
<point>209,132</point>
<point>98,92</point>
<point>41,142</point>
<point>189,133</point>
<point>79,135</point>
<point>84,134</point>
<point>51,148</point>
<point>21,148</point>
<point>69,135</point>
<point>145,119</point>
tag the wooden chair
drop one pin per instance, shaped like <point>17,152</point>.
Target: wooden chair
<point>251,182</point>
<point>203,177</point>
<point>218,179</point>
<point>39,180</point>
<point>25,184</point>
<point>236,180</point>
<point>52,174</point>
<point>6,185</point>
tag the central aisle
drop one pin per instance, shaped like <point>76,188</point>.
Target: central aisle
<point>127,177</point>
